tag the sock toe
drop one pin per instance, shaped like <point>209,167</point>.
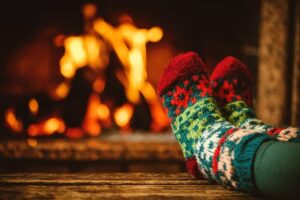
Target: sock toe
<point>233,68</point>
<point>180,67</point>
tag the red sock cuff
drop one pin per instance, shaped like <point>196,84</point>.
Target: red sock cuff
<point>231,67</point>
<point>179,68</point>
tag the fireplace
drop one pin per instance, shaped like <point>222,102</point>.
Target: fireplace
<point>81,69</point>
<point>80,77</point>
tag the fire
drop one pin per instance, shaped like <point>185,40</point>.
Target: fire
<point>53,125</point>
<point>12,121</point>
<point>96,112</point>
<point>92,49</point>
<point>81,51</point>
<point>133,59</point>
<point>47,127</point>
<point>61,91</point>
<point>103,112</point>
<point>99,85</point>
<point>123,115</point>
<point>33,106</point>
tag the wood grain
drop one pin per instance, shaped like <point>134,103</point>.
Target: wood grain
<point>110,147</point>
<point>111,186</point>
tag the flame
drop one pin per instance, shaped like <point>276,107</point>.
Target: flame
<point>155,34</point>
<point>123,115</point>
<point>92,49</point>
<point>61,91</point>
<point>47,127</point>
<point>81,51</point>
<point>133,58</point>
<point>89,10</point>
<point>67,69</point>
<point>103,111</point>
<point>33,106</point>
<point>98,85</point>
<point>53,125</point>
<point>12,121</point>
<point>96,112</point>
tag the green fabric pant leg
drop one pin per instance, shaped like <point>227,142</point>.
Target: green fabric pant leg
<point>277,169</point>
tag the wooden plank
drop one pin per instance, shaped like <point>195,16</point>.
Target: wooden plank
<point>131,147</point>
<point>111,186</point>
<point>100,179</point>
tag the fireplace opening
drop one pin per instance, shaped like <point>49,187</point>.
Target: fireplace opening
<point>83,68</point>
<point>89,69</point>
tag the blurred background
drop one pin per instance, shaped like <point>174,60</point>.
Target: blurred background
<point>78,79</point>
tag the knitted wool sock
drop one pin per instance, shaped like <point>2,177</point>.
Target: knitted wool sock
<point>232,89</point>
<point>224,153</point>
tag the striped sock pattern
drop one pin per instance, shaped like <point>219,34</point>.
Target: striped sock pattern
<point>232,89</point>
<point>224,153</point>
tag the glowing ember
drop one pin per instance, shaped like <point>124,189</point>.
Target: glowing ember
<point>32,142</point>
<point>47,127</point>
<point>102,112</point>
<point>53,125</point>
<point>96,113</point>
<point>15,124</point>
<point>61,91</point>
<point>123,115</point>
<point>33,106</point>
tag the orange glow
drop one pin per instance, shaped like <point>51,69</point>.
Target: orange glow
<point>129,43</point>
<point>99,85</point>
<point>61,91</point>
<point>96,112</point>
<point>81,51</point>
<point>33,130</point>
<point>74,133</point>
<point>12,121</point>
<point>103,111</point>
<point>155,34</point>
<point>33,106</point>
<point>53,125</point>
<point>133,57</point>
<point>59,40</point>
<point>67,69</point>
<point>75,49</point>
<point>89,10</point>
<point>123,115</point>
<point>47,127</point>
<point>32,142</point>
<point>92,49</point>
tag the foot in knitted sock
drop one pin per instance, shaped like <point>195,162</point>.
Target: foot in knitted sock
<point>224,153</point>
<point>180,97</point>
<point>232,89</point>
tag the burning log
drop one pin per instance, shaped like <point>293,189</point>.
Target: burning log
<point>98,91</point>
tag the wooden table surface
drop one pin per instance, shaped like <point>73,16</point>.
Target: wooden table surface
<point>111,186</point>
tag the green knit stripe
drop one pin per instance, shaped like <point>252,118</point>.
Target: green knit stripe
<point>238,112</point>
<point>204,106</point>
<point>190,124</point>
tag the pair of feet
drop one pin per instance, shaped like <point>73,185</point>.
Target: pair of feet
<point>212,119</point>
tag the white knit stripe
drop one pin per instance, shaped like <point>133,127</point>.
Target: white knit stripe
<point>226,167</point>
<point>255,124</point>
<point>288,134</point>
<point>209,142</point>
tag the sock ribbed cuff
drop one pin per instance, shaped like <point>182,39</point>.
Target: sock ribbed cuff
<point>225,154</point>
<point>243,146</point>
